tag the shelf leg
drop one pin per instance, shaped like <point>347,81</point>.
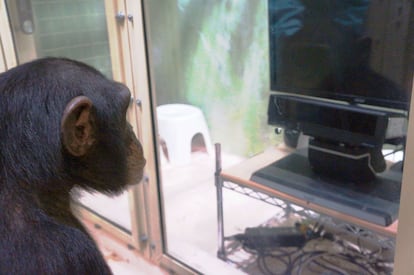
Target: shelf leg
<point>219,188</point>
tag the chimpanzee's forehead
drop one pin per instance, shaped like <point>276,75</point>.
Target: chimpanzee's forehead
<point>119,99</point>
<point>110,89</point>
<point>107,96</point>
<point>123,90</point>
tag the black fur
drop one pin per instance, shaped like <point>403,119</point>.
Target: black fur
<point>38,232</point>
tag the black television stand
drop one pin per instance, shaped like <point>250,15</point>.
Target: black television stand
<point>376,201</point>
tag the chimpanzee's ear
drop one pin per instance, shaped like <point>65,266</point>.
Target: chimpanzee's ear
<point>78,127</point>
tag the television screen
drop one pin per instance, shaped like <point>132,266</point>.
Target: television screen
<point>357,51</point>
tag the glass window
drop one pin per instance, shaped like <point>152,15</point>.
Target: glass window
<point>72,29</point>
<point>335,77</point>
<point>210,67</point>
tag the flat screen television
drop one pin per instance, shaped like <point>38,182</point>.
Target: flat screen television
<point>358,51</point>
<point>341,72</point>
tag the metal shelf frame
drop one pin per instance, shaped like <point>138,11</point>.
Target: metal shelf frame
<point>288,209</point>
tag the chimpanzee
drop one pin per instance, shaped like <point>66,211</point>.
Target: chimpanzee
<point>62,125</point>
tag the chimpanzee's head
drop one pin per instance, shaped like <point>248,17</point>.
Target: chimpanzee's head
<point>69,128</point>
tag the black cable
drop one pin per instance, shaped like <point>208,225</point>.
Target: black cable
<point>278,254</point>
<point>350,259</point>
<point>298,261</point>
<point>324,266</point>
<point>312,261</point>
<point>264,268</point>
<point>282,256</point>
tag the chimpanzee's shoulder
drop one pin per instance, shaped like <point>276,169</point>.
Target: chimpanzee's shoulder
<point>50,248</point>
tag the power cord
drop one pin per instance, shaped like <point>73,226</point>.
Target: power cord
<point>285,251</point>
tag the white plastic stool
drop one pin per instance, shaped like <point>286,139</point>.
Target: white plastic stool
<point>177,125</point>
